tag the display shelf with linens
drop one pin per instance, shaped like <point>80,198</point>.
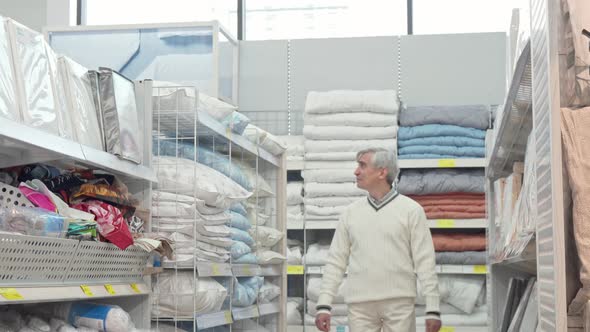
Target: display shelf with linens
<point>221,197</point>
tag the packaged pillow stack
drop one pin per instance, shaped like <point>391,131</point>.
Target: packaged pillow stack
<point>339,308</point>
<point>338,124</point>
<point>295,204</point>
<point>295,147</point>
<point>431,132</point>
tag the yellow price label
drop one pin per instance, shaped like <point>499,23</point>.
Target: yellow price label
<point>480,269</point>
<point>135,288</point>
<point>215,269</point>
<point>247,270</point>
<point>447,329</point>
<point>86,290</point>
<point>109,289</point>
<point>10,294</point>
<point>295,269</point>
<point>228,132</point>
<point>446,163</point>
<point>228,318</point>
<point>445,223</point>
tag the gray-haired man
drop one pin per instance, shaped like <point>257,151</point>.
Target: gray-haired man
<point>385,243</point>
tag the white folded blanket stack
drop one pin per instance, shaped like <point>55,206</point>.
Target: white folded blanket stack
<point>338,124</point>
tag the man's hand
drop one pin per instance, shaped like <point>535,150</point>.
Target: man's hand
<point>432,325</point>
<point>322,322</point>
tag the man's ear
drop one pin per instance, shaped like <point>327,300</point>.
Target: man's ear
<point>383,174</point>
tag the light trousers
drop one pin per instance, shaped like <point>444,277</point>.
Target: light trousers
<point>391,315</point>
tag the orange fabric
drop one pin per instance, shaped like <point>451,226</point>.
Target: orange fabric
<point>455,215</point>
<point>459,242</point>
<point>456,208</point>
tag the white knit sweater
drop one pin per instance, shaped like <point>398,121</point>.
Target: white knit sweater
<point>385,250</point>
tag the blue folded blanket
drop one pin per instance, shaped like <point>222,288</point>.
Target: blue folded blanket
<point>460,152</point>
<point>443,141</point>
<point>437,130</point>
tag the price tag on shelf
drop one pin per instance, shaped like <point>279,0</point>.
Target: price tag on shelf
<point>215,270</point>
<point>228,319</point>
<point>295,269</point>
<point>480,269</point>
<point>86,290</point>
<point>10,294</point>
<point>135,288</point>
<point>247,270</point>
<point>445,223</point>
<point>109,289</point>
<point>447,329</point>
<point>446,163</point>
<point>228,133</point>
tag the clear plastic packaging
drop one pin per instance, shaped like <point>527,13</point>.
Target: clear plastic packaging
<point>33,221</point>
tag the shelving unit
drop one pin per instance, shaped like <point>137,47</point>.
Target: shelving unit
<point>198,130</point>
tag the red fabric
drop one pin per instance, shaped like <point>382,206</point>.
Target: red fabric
<point>452,205</point>
<point>459,242</point>
<point>110,222</point>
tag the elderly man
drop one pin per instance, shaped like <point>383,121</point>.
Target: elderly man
<point>385,243</point>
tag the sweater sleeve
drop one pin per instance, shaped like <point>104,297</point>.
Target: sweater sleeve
<point>424,259</point>
<point>336,264</point>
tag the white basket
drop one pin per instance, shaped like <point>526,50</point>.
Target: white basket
<point>11,196</point>
<point>34,260</point>
<point>99,261</point>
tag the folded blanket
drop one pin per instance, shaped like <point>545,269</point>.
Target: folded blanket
<point>329,175</point>
<point>342,165</point>
<point>331,156</point>
<point>294,145</point>
<point>356,119</point>
<point>459,242</point>
<point>435,130</point>
<point>347,145</point>
<point>348,133</point>
<point>428,156</point>
<point>314,189</point>
<point>455,208</point>
<point>461,258</point>
<point>449,198</point>
<point>438,181</point>
<point>455,151</point>
<point>334,211</point>
<point>350,101</point>
<point>474,116</point>
<point>442,141</point>
<point>332,201</point>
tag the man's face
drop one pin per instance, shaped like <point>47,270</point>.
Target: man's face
<point>368,176</point>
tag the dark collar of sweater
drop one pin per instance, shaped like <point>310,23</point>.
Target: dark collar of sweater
<point>379,203</point>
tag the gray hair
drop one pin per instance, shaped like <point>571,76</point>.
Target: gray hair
<point>383,158</point>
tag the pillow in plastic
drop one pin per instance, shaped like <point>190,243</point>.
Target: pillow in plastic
<point>202,208</point>
<point>293,314</point>
<point>239,221</point>
<point>236,121</point>
<point>215,231</point>
<point>268,292</point>
<point>174,295</point>
<point>266,236</point>
<point>257,218</point>
<point>215,107</point>
<point>317,254</point>
<point>246,259</point>
<point>264,139</point>
<point>242,236</point>
<point>460,291</point>
<point>239,208</point>
<point>206,156</point>
<point>225,242</point>
<point>294,193</point>
<point>172,210</point>
<point>314,286</point>
<point>294,255</point>
<point>269,257</point>
<point>207,256</point>
<point>239,249</point>
<point>182,175</point>
<point>246,290</point>
<point>259,185</point>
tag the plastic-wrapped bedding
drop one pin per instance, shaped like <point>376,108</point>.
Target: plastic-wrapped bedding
<point>460,291</point>
<point>174,295</point>
<point>455,151</point>
<point>351,119</point>
<point>348,145</point>
<point>439,181</point>
<point>41,106</point>
<point>266,140</point>
<point>120,119</point>
<point>349,133</point>
<point>217,161</point>
<point>317,254</point>
<point>294,145</point>
<point>294,193</point>
<point>473,116</point>
<point>246,290</point>
<point>178,175</point>
<point>330,156</point>
<point>313,189</point>
<point>435,130</point>
<point>80,103</point>
<point>325,210</point>
<point>333,201</point>
<point>352,101</point>
<point>342,165</point>
<point>8,101</point>
<point>293,315</point>
<point>461,258</point>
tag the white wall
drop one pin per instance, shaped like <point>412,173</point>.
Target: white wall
<point>37,14</point>
<point>435,69</point>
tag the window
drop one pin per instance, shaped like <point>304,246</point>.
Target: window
<point>105,12</point>
<point>463,16</point>
<point>296,19</point>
